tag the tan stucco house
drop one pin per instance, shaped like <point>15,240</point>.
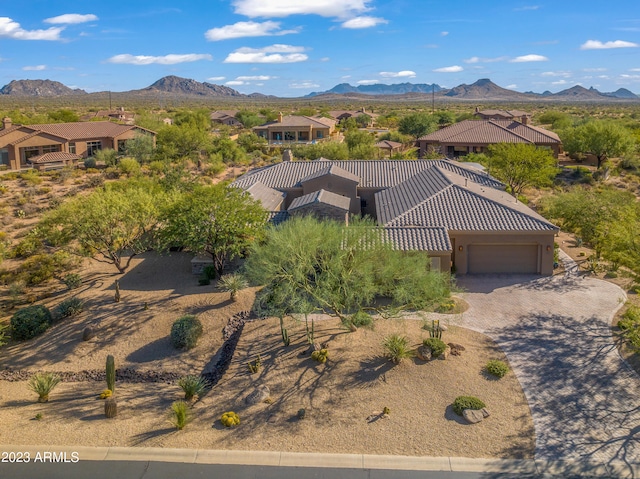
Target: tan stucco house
<point>59,144</point>
<point>297,129</point>
<point>475,136</point>
<point>458,215</point>
<point>226,117</point>
<point>493,114</point>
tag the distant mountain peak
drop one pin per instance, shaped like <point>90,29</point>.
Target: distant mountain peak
<point>44,88</point>
<point>382,89</point>
<point>185,86</point>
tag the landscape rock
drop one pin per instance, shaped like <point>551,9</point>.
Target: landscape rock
<point>445,353</point>
<point>485,413</point>
<point>456,349</point>
<point>424,353</point>
<point>258,395</point>
<point>88,333</point>
<point>442,327</point>
<point>473,416</point>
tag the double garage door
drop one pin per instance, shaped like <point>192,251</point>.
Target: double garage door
<point>503,258</point>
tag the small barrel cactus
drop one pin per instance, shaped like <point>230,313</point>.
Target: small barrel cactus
<point>110,407</point>
<point>230,419</point>
<point>107,393</point>
<point>386,411</point>
<point>320,355</point>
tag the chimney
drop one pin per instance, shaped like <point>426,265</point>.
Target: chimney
<point>6,122</point>
<point>280,117</point>
<point>524,120</point>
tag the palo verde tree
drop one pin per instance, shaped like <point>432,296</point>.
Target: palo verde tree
<point>307,264</point>
<point>111,225</point>
<point>520,165</point>
<point>218,221</point>
<point>601,138</point>
<point>417,124</point>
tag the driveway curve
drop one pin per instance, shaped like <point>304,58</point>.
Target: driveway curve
<point>555,331</point>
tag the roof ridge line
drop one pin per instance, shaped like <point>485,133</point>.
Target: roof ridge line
<point>513,132</point>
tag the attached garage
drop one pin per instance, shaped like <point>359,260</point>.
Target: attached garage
<point>503,258</point>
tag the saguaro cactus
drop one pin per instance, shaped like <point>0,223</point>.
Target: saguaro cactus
<point>111,373</point>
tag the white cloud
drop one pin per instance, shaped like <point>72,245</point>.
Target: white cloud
<point>559,82</point>
<point>529,58</point>
<point>255,78</point>
<point>284,8</point>
<point>598,45</point>
<point>247,29</point>
<point>563,74</point>
<point>304,84</point>
<point>270,54</point>
<point>216,78</point>
<point>451,69</point>
<point>526,8</point>
<point>71,18</point>
<point>485,60</point>
<point>634,69</point>
<point>35,68</point>
<point>325,59</point>
<point>234,83</point>
<point>170,59</point>
<point>513,86</point>
<point>594,69</point>
<point>401,74</point>
<point>367,82</point>
<point>444,34</point>
<point>11,29</point>
<point>345,77</point>
<point>363,22</point>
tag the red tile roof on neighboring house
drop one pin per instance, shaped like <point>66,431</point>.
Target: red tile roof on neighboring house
<point>54,157</point>
<point>84,130</point>
<point>491,131</point>
<point>297,121</point>
<point>388,144</point>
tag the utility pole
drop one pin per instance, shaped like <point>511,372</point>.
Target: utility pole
<point>433,98</point>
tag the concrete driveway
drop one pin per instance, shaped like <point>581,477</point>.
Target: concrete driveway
<point>585,400</point>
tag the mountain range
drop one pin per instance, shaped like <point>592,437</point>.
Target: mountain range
<point>482,90</point>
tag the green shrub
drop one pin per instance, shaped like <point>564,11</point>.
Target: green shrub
<point>41,268</point>
<point>29,322</point>
<point>397,348</point>
<point>232,283</point>
<point>27,247</point>
<point>95,181</point>
<point>436,345</point>
<point>42,384</point>
<point>209,272</point>
<point>3,334</point>
<point>629,324</point>
<point>361,319</point>
<point>72,280</point>
<point>466,402</point>
<point>69,307</point>
<point>112,173</point>
<point>129,166</point>
<point>180,414</point>
<point>185,332</point>
<point>204,281</point>
<point>192,386</point>
<point>497,368</point>
<point>90,163</point>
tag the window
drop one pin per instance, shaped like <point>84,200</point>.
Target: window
<point>122,146</point>
<point>29,152</point>
<point>4,156</point>
<point>319,134</point>
<point>72,148</point>
<point>50,148</point>
<point>289,136</point>
<point>93,146</point>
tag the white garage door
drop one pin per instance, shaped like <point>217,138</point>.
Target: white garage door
<point>503,258</point>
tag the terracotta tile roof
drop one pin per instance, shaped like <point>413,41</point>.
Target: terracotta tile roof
<point>333,170</point>
<point>388,144</point>
<point>372,173</point>
<point>85,130</point>
<point>459,206</point>
<point>418,238</point>
<point>270,198</point>
<point>54,157</point>
<point>297,121</point>
<point>491,131</point>
<point>222,114</point>
<point>507,114</point>
<point>6,131</point>
<point>321,196</point>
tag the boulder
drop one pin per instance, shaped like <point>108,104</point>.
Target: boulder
<point>88,333</point>
<point>485,413</point>
<point>473,416</point>
<point>258,395</point>
<point>456,349</point>
<point>445,353</point>
<point>423,353</point>
<point>442,327</point>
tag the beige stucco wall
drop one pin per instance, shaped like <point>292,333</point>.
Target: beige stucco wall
<point>337,185</point>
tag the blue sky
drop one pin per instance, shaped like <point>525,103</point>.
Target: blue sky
<point>292,47</point>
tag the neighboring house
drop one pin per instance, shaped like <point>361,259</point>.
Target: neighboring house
<point>341,115</point>
<point>296,129</point>
<point>226,117</point>
<point>474,136</point>
<point>460,216</point>
<point>502,114</point>
<point>119,115</point>
<point>25,146</point>
<point>387,148</point>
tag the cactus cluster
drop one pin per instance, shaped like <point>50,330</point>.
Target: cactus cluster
<point>320,355</point>
<point>254,366</point>
<point>107,393</point>
<point>386,411</point>
<point>435,331</point>
<point>230,419</point>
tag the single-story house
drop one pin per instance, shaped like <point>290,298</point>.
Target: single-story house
<point>388,148</point>
<point>296,129</point>
<point>474,136</point>
<point>226,117</point>
<point>341,115</point>
<point>501,114</point>
<point>458,215</point>
<point>25,146</point>
<point>119,114</point>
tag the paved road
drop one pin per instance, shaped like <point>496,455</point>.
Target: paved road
<point>585,400</point>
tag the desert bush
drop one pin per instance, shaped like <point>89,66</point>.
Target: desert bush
<point>31,178</point>
<point>72,281</point>
<point>90,163</point>
<point>40,268</point>
<point>95,181</point>
<point>192,386</point>
<point>629,324</point>
<point>497,368</point>
<point>69,307</point>
<point>185,332</point>
<point>42,384</point>
<point>112,173</point>
<point>446,306</point>
<point>396,348</point>
<point>230,419</point>
<point>361,319</point>
<point>436,345</point>
<point>466,402</point>
<point>180,414</point>
<point>3,334</point>
<point>209,272</point>
<point>204,281</point>
<point>232,283</point>
<point>29,322</point>
<point>129,166</point>
<point>320,355</point>
<point>27,247</point>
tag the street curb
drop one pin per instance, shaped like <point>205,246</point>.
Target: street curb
<point>298,459</point>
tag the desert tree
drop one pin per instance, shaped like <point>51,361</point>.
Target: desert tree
<point>601,138</point>
<point>218,221</point>
<point>417,124</point>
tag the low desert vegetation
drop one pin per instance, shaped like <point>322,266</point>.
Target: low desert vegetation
<point>466,402</point>
<point>42,384</point>
<point>396,348</point>
<point>185,332</point>
<point>497,368</point>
